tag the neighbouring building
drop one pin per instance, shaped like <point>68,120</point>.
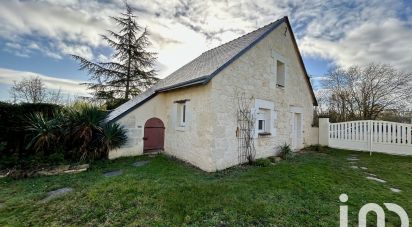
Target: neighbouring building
<point>192,113</point>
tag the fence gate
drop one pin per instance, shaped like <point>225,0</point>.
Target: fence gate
<point>378,136</point>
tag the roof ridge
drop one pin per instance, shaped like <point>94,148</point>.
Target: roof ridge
<point>231,41</point>
<point>201,69</point>
<point>260,28</point>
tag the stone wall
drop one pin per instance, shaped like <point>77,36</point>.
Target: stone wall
<point>255,74</point>
<point>314,136</point>
<point>209,139</point>
<point>192,144</point>
<point>134,123</point>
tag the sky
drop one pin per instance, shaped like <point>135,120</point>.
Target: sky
<point>38,36</point>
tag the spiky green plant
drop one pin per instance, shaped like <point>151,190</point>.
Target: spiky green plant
<point>45,132</point>
<point>111,136</point>
<point>286,151</point>
<point>82,126</point>
<point>81,131</point>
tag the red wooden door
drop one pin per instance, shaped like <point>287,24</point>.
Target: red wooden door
<point>154,135</point>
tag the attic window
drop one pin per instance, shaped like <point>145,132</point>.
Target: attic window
<point>280,74</point>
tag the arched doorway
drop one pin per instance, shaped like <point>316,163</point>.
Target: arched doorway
<point>154,135</point>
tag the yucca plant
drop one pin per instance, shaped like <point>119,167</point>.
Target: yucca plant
<point>45,132</point>
<point>82,126</point>
<point>111,136</point>
<point>81,132</point>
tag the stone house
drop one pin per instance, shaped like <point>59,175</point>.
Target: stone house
<point>192,113</point>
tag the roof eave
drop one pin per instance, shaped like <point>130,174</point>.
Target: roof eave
<point>189,83</point>
<point>132,108</point>
<point>197,81</point>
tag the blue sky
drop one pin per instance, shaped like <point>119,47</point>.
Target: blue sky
<point>36,36</point>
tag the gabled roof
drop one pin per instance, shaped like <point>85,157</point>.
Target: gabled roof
<point>203,68</point>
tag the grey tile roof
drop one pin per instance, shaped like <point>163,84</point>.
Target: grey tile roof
<point>131,104</point>
<point>210,61</point>
<point>201,69</point>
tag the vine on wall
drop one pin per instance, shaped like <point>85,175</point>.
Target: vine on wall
<point>245,128</point>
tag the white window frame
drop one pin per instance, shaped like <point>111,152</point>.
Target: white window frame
<point>264,110</point>
<point>264,117</point>
<point>181,114</point>
<point>280,74</point>
<point>278,57</point>
<point>263,129</point>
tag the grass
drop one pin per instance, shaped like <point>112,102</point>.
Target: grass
<point>303,191</point>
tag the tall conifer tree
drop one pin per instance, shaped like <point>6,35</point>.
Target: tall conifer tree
<point>131,70</point>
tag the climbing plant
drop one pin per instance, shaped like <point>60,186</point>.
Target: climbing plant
<point>245,128</point>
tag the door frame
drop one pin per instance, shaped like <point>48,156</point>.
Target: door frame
<point>160,126</point>
<point>296,134</point>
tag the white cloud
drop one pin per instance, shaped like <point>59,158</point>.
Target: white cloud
<point>17,49</point>
<point>386,42</point>
<point>56,28</point>
<point>319,78</point>
<point>62,22</point>
<point>71,87</point>
<point>354,31</point>
<point>81,50</point>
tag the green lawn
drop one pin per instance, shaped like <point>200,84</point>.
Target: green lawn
<point>300,192</point>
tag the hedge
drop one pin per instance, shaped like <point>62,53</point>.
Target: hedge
<point>13,136</point>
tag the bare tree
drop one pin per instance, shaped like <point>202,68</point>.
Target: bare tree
<point>33,90</point>
<point>364,92</point>
<point>55,96</point>
<point>30,90</point>
<point>404,116</point>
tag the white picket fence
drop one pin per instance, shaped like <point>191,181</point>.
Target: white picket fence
<point>378,136</point>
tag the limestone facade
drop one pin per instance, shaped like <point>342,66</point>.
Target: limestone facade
<point>209,140</point>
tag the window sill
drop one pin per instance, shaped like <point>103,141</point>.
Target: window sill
<point>280,86</point>
<point>264,134</point>
<point>181,128</point>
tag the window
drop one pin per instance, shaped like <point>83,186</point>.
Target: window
<point>261,126</point>
<point>263,119</point>
<point>181,114</point>
<point>265,116</point>
<point>280,74</point>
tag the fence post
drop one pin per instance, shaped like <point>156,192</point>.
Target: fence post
<point>324,131</point>
<point>370,136</point>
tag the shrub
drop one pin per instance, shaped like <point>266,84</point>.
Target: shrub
<point>111,136</point>
<point>82,127</point>
<point>14,135</point>
<point>44,132</point>
<point>114,103</point>
<point>2,146</point>
<point>285,151</point>
<point>55,135</point>
<point>317,147</point>
<point>90,135</point>
<point>263,162</point>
